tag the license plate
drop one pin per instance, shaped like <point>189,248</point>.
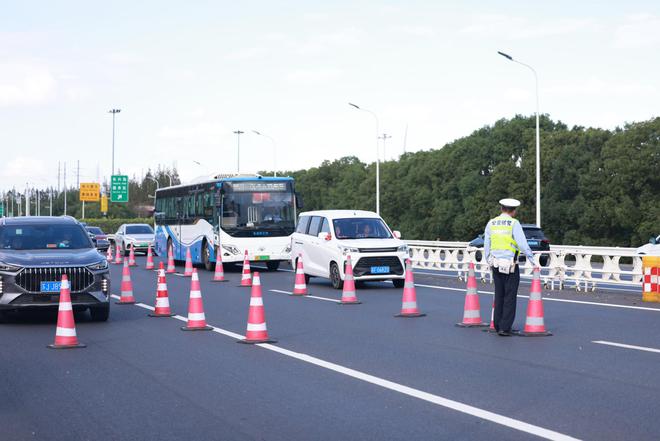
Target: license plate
<point>50,286</point>
<point>261,257</point>
<point>532,243</point>
<point>380,269</point>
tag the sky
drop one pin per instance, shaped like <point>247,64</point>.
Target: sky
<point>186,75</point>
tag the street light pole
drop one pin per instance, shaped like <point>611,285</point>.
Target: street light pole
<point>538,137</point>
<point>114,112</point>
<point>169,176</point>
<point>385,137</point>
<point>157,184</point>
<point>238,149</point>
<point>377,155</point>
<point>274,149</point>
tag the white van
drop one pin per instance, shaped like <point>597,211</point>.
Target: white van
<point>325,238</point>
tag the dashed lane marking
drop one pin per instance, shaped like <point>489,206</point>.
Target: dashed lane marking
<point>625,346</point>
<point>307,296</point>
<point>396,387</point>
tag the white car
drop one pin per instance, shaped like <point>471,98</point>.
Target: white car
<point>140,236</point>
<point>326,238</point>
<point>652,248</point>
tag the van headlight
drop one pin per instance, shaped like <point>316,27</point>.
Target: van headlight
<point>402,249</point>
<point>231,248</point>
<point>103,264</point>
<point>346,250</point>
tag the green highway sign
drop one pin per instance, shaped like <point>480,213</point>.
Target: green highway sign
<point>119,188</point>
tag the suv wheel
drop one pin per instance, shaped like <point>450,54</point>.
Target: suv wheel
<point>206,257</point>
<point>335,276</point>
<point>100,313</point>
<point>273,265</point>
<point>398,283</point>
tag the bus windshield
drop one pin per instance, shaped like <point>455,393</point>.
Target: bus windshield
<point>257,213</point>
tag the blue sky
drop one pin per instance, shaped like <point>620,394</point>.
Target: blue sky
<point>187,75</point>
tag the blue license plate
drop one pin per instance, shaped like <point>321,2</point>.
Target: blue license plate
<point>380,269</point>
<point>532,243</point>
<point>50,286</point>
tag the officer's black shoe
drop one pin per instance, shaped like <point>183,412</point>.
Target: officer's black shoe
<point>504,334</point>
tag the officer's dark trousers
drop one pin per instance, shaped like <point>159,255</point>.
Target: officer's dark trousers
<point>506,291</point>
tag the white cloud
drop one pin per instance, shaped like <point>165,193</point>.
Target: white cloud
<point>517,28</point>
<point>639,31</point>
<point>598,87</point>
<point>25,84</point>
<point>414,30</point>
<point>21,169</point>
<point>322,43</point>
<point>314,76</point>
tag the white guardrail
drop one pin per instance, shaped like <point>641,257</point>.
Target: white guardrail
<point>566,266</point>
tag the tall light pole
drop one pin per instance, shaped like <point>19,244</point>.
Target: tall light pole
<point>538,137</point>
<point>385,137</point>
<point>157,184</point>
<point>169,176</point>
<point>114,112</point>
<point>274,149</point>
<point>238,134</point>
<point>377,155</point>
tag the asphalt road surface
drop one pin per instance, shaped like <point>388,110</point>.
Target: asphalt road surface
<point>337,372</point>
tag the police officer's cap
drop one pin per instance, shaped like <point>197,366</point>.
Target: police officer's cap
<point>510,203</point>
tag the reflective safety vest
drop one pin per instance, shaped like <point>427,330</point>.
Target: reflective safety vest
<point>501,234</point>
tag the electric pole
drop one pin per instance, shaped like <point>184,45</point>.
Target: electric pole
<point>385,137</point>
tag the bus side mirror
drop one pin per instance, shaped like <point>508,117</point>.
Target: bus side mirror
<point>299,201</point>
<point>397,234</point>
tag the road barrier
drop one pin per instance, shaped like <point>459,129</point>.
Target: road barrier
<point>567,266</point>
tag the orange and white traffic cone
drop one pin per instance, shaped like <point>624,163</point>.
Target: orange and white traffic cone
<point>65,332</point>
<point>170,261</point>
<point>118,256</point>
<point>126,297</point>
<point>535,323</point>
<point>108,254</point>
<point>246,277</point>
<point>188,269</point>
<point>348,296</point>
<point>150,259</point>
<point>409,300</point>
<point>196,317</point>
<point>471,310</point>
<point>256,325</point>
<point>162,308</point>
<point>219,274</point>
<point>299,286</point>
<point>131,256</point>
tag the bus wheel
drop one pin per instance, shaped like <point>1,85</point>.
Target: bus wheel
<point>206,257</point>
<point>273,265</point>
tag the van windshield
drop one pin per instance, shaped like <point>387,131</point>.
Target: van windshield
<point>361,228</point>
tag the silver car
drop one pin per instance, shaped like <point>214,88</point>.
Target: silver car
<point>140,236</point>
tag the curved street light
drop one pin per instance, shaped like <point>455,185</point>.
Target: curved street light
<point>377,155</point>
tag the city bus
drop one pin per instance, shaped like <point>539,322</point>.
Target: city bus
<point>228,214</point>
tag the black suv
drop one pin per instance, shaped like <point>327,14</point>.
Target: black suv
<point>535,239</point>
<point>34,254</point>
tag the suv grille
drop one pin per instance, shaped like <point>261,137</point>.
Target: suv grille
<point>363,266</point>
<point>30,279</point>
<point>377,250</point>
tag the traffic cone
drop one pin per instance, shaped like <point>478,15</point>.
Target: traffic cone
<point>409,300</point>
<point>65,332</point>
<point>118,257</point>
<point>534,323</point>
<point>300,287</point>
<point>126,287</point>
<point>246,277</point>
<point>162,308</point>
<point>471,310</point>
<point>131,256</point>
<point>188,269</point>
<point>219,275</point>
<point>108,254</point>
<point>196,317</point>
<point>150,259</point>
<point>256,325</point>
<point>348,292</point>
<point>491,328</point>
<point>170,261</point>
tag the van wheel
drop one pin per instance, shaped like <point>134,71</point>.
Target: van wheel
<point>335,276</point>
<point>206,257</point>
<point>398,283</point>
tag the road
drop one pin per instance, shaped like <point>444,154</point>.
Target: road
<point>336,372</point>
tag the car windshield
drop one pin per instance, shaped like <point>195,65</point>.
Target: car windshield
<point>533,233</point>
<point>361,228</point>
<point>139,229</point>
<point>43,236</point>
<point>95,230</point>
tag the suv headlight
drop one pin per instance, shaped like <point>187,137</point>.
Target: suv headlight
<point>231,248</point>
<point>9,268</point>
<point>346,250</point>
<point>103,264</point>
<point>402,249</point>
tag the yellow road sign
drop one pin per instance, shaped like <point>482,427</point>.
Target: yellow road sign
<point>104,204</point>
<point>90,191</point>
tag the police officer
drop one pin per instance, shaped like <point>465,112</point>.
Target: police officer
<point>504,239</point>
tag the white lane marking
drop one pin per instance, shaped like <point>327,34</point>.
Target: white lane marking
<point>396,387</point>
<point>307,296</point>
<point>625,346</point>
<point>550,299</point>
